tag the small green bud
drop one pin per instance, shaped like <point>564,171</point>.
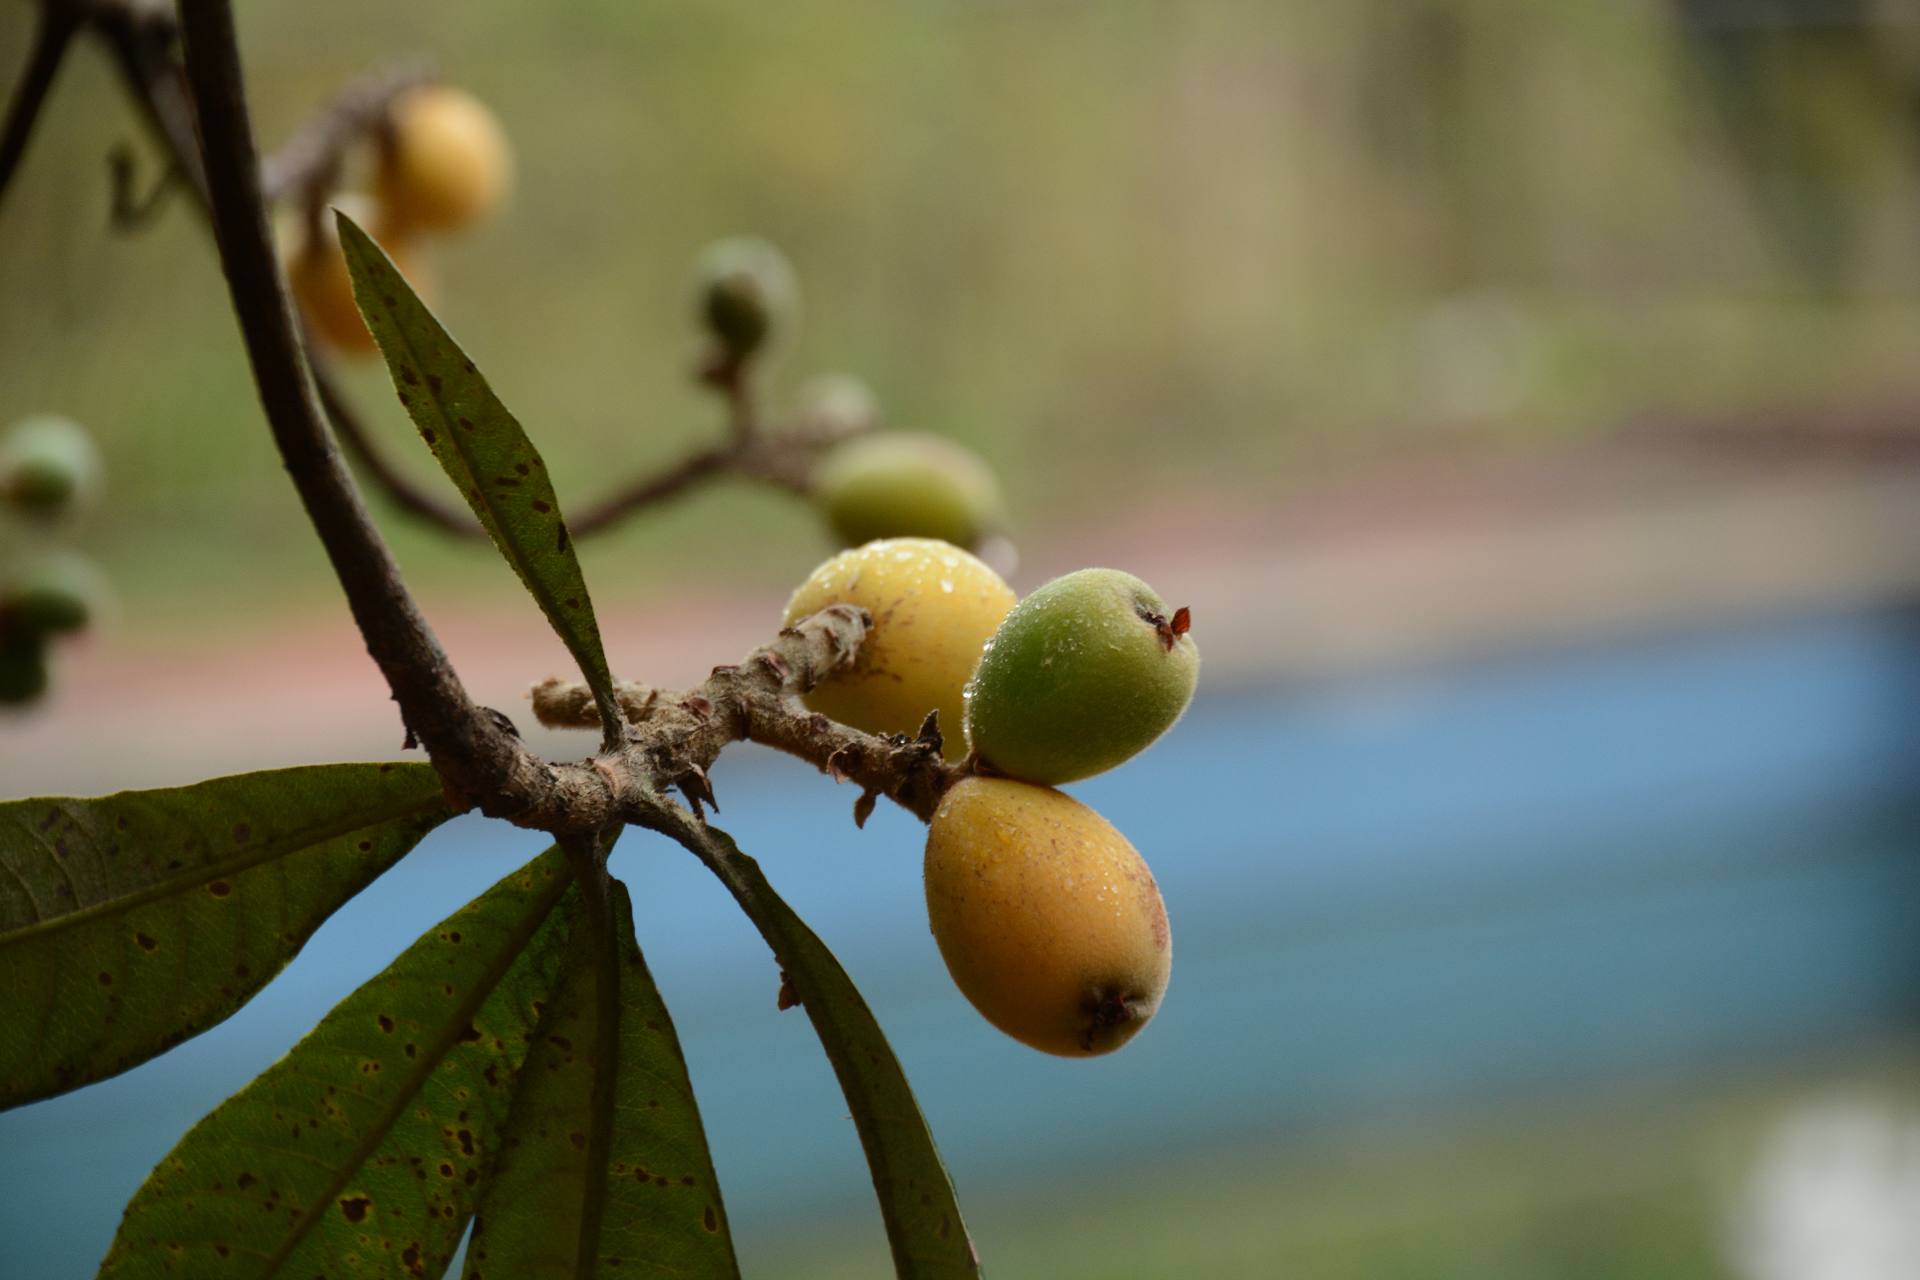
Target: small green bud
<point>838,402</point>
<point>23,666</point>
<point>747,293</point>
<point>48,465</point>
<point>1083,674</point>
<point>59,592</point>
<point>905,485</point>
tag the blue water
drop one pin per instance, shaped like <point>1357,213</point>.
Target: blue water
<point>1534,876</point>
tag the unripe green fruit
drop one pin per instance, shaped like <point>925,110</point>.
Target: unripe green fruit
<point>1048,919</point>
<point>1086,672</point>
<point>23,666</point>
<point>933,607</point>
<point>48,465</point>
<point>903,484</point>
<point>747,292</point>
<point>445,162</point>
<point>59,592</point>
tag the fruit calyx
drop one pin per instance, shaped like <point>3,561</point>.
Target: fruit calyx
<point>1169,629</point>
<point>1105,1009</point>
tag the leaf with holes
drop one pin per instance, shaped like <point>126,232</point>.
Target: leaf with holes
<point>363,1149</point>
<point>616,1161</point>
<point>130,922</point>
<point>483,449</point>
<point>922,1217</point>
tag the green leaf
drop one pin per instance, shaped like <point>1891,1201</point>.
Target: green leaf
<point>483,449</point>
<point>130,922</point>
<point>361,1151</point>
<point>603,1174</point>
<point>923,1221</point>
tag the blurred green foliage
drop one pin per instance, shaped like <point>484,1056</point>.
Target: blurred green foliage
<point>1119,248</point>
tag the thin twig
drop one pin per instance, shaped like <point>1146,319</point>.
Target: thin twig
<point>142,42</point>
<point>307,165</point>
<point>412,498</point>
<point>51,39</point>
<point>130,211</point>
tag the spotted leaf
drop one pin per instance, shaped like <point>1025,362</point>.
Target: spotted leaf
<point>130,922</point>
<point>362,1151</point>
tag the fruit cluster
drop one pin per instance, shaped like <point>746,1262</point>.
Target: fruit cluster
<point>49,471</point>
<point>443,163</point>
<point>879,485</point>
<point>1047,918</point>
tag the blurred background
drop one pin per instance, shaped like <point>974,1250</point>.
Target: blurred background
<point>1526,399</point>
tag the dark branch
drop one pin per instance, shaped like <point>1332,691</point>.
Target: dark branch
<point>783,460</point>
<point>142,42</point>
<point>133,210</point>
<point>480,762</point>
<point>51,39</point>
<point>413,498</point>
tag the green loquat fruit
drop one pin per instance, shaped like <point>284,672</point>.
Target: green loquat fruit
<point>1048,919</point>
<point>904,484</point>
<point>933,607</point>
<point>1084,673</point>
<point>49,465</point>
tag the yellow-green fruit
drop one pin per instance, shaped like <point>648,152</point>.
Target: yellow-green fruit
<point>933,607</point>
<point>1086,672</point>
<point>1048,919</point>
<point>446,162</point>
<point>748,293</point>
<point>903,484</point>
<point>318,276</point>
<point>48,465</point>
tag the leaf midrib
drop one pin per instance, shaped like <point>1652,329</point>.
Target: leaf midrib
<point>608,1012</point>
<point>267,851</point>
<point>770,914</point>
<point>429,1062</point>
<point>490,513</point>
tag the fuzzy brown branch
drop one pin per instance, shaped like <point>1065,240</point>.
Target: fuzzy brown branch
<point>758,700</point>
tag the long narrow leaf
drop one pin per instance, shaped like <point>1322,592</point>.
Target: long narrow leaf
<point>650,1200</point>
<point>483,449</point>
<point>922,1217</point>
<point>130,922</point>
<point>362,1150</point>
